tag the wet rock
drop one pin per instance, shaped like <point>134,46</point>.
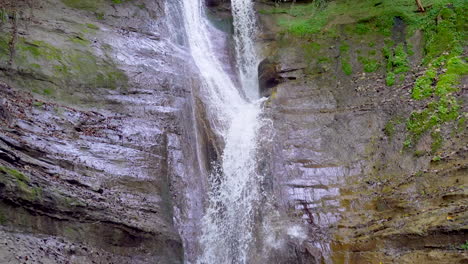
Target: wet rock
<point>268,77</point>
<point>331,168</point>
<point>84,151</point>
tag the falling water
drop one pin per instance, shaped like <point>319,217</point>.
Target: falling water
<point>245,30</point>
<point>227,228</point>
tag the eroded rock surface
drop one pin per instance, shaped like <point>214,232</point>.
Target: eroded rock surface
<point>340,170</point>
<point>95,131</point>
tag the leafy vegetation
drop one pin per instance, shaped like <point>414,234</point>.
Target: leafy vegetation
<point>397,62</point>
<point>464,246</point>
<point>370,64</point>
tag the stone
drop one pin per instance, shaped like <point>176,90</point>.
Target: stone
<point>268,77</point>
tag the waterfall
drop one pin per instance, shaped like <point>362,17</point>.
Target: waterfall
<point>244,33</point>
<point>227,226</point>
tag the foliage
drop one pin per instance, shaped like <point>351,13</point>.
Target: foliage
<point>464,246</point>
<point>370,65</point>
<point>397,62</point>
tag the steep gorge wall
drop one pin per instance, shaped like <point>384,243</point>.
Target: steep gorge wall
<point>96,133</point>
<point>342,163</point>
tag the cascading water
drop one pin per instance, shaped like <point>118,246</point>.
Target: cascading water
<point>247,60</point>
<point>227,227</point>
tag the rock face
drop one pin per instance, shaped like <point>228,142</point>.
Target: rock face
<point>95,131</point>
<point>337,166</point>
<point>268,77</point>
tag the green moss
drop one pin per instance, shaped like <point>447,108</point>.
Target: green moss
<point>436,114</point>
<point>92,26</point>
<point>443,32</point>
<point>80,40</point>
<point>119,1</point>
<point>346,66</point>
<point>397,63</point>
<point>15,173</point>
<point>345,59</point>
<point>370,65</point>
<point>4,47</point>
<point>362,28</point>
<point>47,91</point>
<point>89,5</point>
<point>461,124</point>
<point>437,141</point>
<point>99,15</point>
<point>464,246</point>
<point>39,49</point>
<point>419,153</point>
<point>38,104</point>
<point>77,67</point>
<point>400,60</point>
<point>423,87</point>
<point>389,129</point>
<point>449,81</point>
<point>344,48</point>
<point>21,183</point>
<point>390,78</point>
<point>71,202</point>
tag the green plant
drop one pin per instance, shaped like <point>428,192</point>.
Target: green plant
<point>370,65</point>
<point>423,87</point>
<point>390,79</point>
<point>346,67</point>
<point>464,246</point>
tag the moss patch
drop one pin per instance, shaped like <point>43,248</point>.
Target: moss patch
<point>90,5</point>
<point>397,63</point>
<point>15,173</point>
<point>66,67</point>
<point>445,68</point>
<point>345,59</point>
<point>21,183</point>
<point>372,16</point>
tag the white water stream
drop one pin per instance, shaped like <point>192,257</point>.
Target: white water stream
<point>227,227</point>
